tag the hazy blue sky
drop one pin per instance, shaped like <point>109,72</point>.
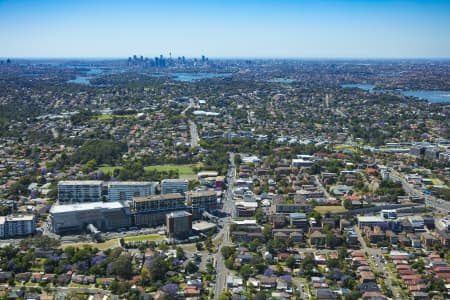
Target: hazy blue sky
<point>316,28</point>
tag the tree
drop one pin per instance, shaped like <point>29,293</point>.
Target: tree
<point>4,210</point>
<point>191,268</point>
<point>308,264</point>
<point>102,151</point>
<point>329,240</point>
<point>229,263</point>
<point>40,241</point>
<point>227,251</point>
<point>122,267</point>
<point>348,204</point>
<point>290,261</point>
<point>119,287</point>
<point>209,244</point>
<point>163,247</point>
<point>254,244</point>
<point>158,269</point>
<point>267,232</point>
<point>246,271</point>
<point>419,265</point>
<point>199,246</point>
<point>437,284</point>
<point>145,277</point>
<point>225,296</point>
<point>89,166</point>
<point>259,215</point>
<point>180,253</point>
<point>342,253</point>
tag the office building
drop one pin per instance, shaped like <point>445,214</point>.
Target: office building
<point>152,210</point>
<point>246,209</point>
<point>79,191</point>
<point>169,186</point>
<point>125,191</point>
<point>17,225</point>
<point>179,224</point>
<point>74,218</point>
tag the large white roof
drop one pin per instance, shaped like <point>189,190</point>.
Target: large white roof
<point>80,182</point>
<point>86,206</point>
<point>371,219</point>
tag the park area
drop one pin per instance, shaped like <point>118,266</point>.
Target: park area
<point>186,171</point>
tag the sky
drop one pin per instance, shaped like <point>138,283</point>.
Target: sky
<point>222,29</point>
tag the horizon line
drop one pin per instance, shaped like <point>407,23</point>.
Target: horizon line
<point>228,57</point>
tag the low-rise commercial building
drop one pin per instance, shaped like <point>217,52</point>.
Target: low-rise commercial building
<point>71,218</point>
<point>246,209</point>
<point>372,221</point>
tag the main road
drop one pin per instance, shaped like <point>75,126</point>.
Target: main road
<point>194,134</point>
<point>192,126</point>
<point>430,200</point>
<point>228,207</point>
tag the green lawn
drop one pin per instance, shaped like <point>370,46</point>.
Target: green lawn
<point>110,244</point>
<point>143,238</point>
<point>110,117</point>
<point>331,209</point>
<point>186,171</point>
<point>437,181</point>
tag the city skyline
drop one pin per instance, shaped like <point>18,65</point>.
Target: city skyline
<point>218,29</point>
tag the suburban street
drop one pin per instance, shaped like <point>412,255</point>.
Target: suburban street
<point>373,255</point>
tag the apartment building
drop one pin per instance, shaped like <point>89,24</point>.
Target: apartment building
<point>125,191</point>
<point>169,186</point>
<point>79,191</point>
<point>152,210</point>
<point>201,201</point>
<point>17,225</point>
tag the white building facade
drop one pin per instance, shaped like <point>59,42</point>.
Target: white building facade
<point>17,225</point>
<point>125,191</point>
<point>169,186</point>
